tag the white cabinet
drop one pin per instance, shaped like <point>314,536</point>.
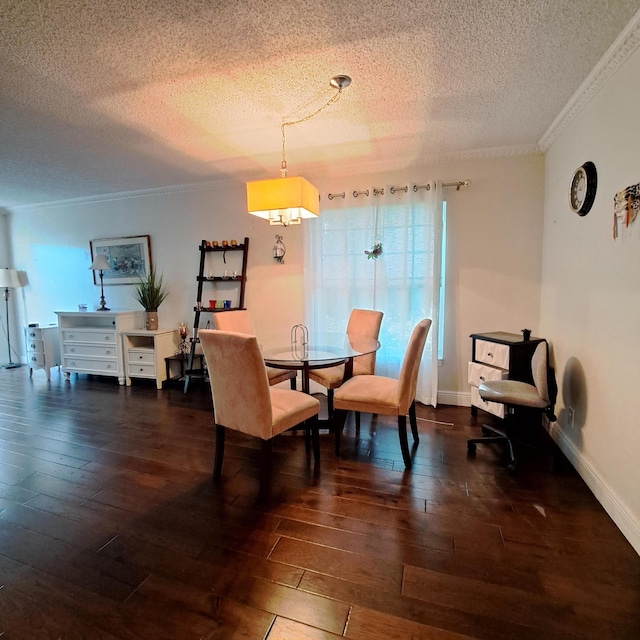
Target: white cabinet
<point>43,348</point>
<point>496,356</point>
<point>144,353</point>
<point>90,341</point>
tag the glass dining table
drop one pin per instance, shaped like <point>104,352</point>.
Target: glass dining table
<point>319,352</point>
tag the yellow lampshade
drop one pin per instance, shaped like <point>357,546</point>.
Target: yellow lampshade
<point>283,200</point>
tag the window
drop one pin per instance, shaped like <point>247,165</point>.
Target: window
<point>405,282</point>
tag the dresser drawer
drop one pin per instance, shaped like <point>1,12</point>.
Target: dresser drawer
<point>89,365</point>
<point>141,370</point>
<point>33,333</point>
<point>35,359</point>
<point>87,335</point>
<point>141,355</point>
<point>89,350</point>
<point>35,345</point>
<point>495,408</point>
<point>479,373</point>
<point>493,353</point>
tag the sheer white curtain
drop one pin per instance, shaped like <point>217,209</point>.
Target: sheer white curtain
<point>403,282</point>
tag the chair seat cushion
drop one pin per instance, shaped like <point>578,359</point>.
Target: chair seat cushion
<point>289,408</point>
<point>368,394</point>
<point>279,375</point>
<point>512,392</point>
<point>332,377</point>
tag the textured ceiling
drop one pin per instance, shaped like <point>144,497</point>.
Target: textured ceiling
<point>121,95</point>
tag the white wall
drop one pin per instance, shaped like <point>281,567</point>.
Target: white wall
<point>494,252</point>
<point>591,299</point>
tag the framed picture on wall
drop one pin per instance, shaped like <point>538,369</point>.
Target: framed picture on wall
<point>129,258</point>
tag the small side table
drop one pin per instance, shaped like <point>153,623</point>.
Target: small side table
<point>144,351</point>
<point>43,348</point>
<point>179,362</point>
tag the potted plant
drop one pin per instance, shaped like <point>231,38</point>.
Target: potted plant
<point>150,292</point>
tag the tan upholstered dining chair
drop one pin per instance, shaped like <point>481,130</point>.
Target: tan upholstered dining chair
<point>243,400</point>
<point>240,321</point>
<point>386,396</point>
<point>363,323</point>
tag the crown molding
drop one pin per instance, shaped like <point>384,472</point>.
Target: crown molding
<point>125,195</point>
<point>625,44</point>
<point>377,165</point>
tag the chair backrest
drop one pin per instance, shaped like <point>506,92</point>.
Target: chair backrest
<point>539,371</point>
<point>364,323</point>
<point>408,379</point>
<point>238,321</point>
<point>239,383</point>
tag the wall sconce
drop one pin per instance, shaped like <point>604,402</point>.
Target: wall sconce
<point>279,250</point>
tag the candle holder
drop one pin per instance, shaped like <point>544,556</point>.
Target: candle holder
<point>183,347</point>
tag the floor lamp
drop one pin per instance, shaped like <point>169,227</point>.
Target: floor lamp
<point>9,280</point>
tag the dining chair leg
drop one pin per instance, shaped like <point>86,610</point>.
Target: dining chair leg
<point>217,465</point>
<point>315,438</point>
<point>357,421</point>
<point>265,462</point>
<point>338,421</point>
<point>404,444</point>
<point>330,402</point>
<point>414,422</point>
<point>292,382</point>
<point>307,438</point>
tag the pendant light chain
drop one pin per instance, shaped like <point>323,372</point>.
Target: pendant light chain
<point>332,100</point>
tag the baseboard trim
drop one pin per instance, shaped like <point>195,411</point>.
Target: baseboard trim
<point>617,510</point>
<point>455,398</point>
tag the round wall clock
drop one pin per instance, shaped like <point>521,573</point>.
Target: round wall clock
<point>583,188</point>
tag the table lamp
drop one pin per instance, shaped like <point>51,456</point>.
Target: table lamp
<point>101,264</point>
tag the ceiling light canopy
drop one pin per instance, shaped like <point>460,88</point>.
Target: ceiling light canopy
<point>284,200</point>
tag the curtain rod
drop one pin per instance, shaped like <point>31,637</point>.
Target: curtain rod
<point>416,188</point>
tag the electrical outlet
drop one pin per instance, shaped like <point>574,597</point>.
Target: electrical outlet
<point>571,416</point>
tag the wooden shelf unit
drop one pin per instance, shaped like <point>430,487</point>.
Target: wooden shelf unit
<point>212,260</point>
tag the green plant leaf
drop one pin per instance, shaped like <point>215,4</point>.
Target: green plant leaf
<point>150,291</point>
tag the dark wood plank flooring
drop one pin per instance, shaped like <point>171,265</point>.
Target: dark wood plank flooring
<point>110,528</point>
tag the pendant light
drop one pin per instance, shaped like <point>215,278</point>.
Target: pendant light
<point>285,200</point>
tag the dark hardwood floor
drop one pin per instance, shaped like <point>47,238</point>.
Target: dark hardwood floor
<point>110,528</point>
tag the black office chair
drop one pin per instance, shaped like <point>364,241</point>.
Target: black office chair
<point>513,393</point>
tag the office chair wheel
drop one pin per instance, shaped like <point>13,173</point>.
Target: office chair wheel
<point>511,468</point>
<point>471,448</point>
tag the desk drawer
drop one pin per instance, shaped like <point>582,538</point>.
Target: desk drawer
<point>88,335</point>
<point>479,373</point>
<point>493,353</point>
<point>495,408</point>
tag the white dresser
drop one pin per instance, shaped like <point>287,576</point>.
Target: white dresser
<point>90,341</point>
<point>144,353</point>
<point>43,348</point>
